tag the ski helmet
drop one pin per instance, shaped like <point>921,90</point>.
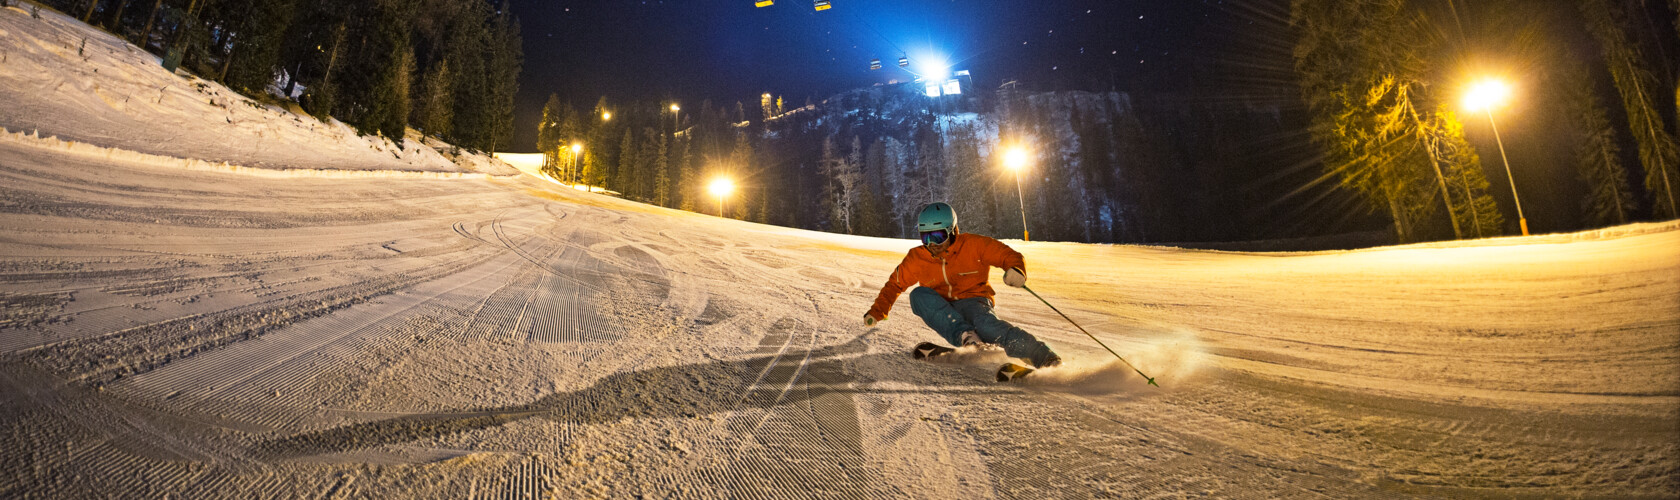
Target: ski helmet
<point>936,216</point>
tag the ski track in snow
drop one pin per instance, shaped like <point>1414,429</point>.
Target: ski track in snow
<point>174,330</point>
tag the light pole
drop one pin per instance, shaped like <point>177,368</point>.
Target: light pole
<point>720,188</point>
<point>577,149</point>
<point>1016,159</point>
<point>1485,95</point>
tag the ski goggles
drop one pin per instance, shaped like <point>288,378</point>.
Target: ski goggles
<point>935,237</point>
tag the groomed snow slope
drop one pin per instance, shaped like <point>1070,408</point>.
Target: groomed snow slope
<point>186,332</point>
<point>211,334</point>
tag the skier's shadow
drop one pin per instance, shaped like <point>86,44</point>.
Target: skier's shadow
<point>689,390</point>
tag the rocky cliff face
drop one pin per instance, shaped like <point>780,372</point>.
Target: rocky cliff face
<point>1102,167</point>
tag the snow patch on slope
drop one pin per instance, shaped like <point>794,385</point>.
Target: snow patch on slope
<point>63,78</point>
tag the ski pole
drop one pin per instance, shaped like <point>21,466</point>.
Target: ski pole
<point>1093,337</point>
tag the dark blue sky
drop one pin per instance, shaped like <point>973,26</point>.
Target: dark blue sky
<point>728,50</point>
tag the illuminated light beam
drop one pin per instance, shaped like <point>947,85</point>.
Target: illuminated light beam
<point>720,188</point>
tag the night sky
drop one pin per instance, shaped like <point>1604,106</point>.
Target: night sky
<point>728,50</point>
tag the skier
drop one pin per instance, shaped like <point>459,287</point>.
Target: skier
<point>954,298</point>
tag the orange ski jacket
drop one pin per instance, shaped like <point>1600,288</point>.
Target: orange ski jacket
<point>958,274</point>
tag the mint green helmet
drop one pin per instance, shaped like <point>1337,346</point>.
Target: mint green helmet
<point>936,216</point>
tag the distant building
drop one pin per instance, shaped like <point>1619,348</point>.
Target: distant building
<point>959,83</point>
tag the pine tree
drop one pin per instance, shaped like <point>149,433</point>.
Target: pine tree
<point>1475,210</point>
<point>145,40</point>
<point>599,154</point>
<point>1658,151</point>
<point>309,47</point>
<point>572,129</point>
<point>502,84</point>
<point>761,209</point>
<point>466,47</point>
<point>1361,64</point>
<point>401,78</point>
<point>741,161</point>
<point>688,181</point>
<point>377,94</point>
<point>114,23</point>
<point>661,168</point>
<point>549,136</point>
<point>570,133</point>
<point>871,214</point>
<point>648,158</point>
<point>256,48</point>
<point>436,102</point>
<point>770,180</point>
<point>1609,200</point>
<point>626,164</point>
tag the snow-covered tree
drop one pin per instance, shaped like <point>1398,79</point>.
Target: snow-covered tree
<point>845,177</point>
<point>970,184</point>
<point>896,182</point>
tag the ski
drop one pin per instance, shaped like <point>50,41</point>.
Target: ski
<point>1012,371</point>
<point>926,350</point>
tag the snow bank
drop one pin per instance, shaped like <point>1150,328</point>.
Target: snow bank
<point>89,151</point>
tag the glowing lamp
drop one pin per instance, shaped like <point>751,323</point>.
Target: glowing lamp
<point>721,187</point>
<point>935,73</point>
<point>1487,94</point>
<point>1015,158</point>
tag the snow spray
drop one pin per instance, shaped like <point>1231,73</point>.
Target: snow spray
<point>1174,356</point>
<point>1093,337</point>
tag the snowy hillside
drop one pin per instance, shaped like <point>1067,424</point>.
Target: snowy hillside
<point>185,330</point>
<point>62,78</point>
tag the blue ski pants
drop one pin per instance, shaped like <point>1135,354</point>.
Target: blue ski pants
<point>951,318</point>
